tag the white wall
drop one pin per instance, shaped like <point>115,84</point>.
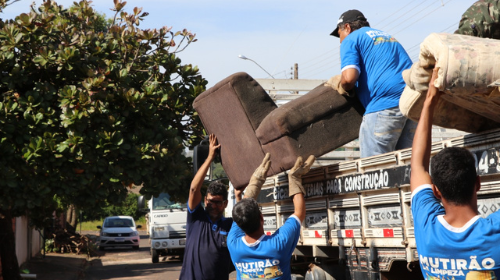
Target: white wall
<point>28,240</point>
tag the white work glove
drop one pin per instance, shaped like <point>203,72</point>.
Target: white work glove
<point>334,82</point>
<point>495,84</point>
<point>295,175</point>
<point>418,77</point>
<point>258,178</point>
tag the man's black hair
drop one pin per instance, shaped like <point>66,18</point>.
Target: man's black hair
<point>453,171</point>
<point>355,25</point>
<point>217,188</point>
<point>246,214</point>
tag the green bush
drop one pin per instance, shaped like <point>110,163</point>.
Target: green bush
<point>49,246</point>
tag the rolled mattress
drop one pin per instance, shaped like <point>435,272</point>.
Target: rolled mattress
<point>469,74</point>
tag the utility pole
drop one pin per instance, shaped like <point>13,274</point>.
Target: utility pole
<point>296,73</point>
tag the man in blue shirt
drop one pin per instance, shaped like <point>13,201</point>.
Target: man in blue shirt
<point>453,240</point>
<point>372,63</point>
<point>206,255</point>
<point>256,255</point>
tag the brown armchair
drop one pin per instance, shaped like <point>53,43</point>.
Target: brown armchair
<point>248,124</point>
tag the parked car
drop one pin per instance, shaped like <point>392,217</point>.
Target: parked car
<point>119,231</point>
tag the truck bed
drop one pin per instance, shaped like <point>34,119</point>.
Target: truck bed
<point>358,212</point>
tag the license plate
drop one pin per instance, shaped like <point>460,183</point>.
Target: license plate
<point>119,239</point>
<point>159,228</point>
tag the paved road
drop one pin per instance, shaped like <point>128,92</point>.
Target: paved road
<point>126,263</point>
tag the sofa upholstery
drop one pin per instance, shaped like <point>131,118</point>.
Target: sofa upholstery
<point>248,124</point>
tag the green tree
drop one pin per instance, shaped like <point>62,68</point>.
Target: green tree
<point>86,112</point>
<point>128,208</point>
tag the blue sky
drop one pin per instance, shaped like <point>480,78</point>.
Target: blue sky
<point>276,34</point>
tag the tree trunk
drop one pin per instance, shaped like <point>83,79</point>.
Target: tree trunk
<point>71,219</point>
<point>10,266</point>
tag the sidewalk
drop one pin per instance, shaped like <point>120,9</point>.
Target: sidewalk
<point>55,266</point>
<point>59,266</point>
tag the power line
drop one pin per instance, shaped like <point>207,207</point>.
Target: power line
<point>423,17</point>
<point>414,48</point>
<point>378,23</point>
<point>321,56</point>
<point>330,65</point>
<point>334,55</point>
<point>449,27</point>
<point>289,48</point>
<point>382,28</point>
<point>411,49</point>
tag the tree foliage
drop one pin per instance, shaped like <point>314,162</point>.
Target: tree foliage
<point>128,208</point>
<point>90,109</point>
<point>5,3</point>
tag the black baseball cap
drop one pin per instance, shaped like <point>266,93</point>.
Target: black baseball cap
<point>349,16</point>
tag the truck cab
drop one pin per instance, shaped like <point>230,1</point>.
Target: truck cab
<point>166,225</point>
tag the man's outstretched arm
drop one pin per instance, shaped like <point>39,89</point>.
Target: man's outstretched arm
<point>199,178</point>
<point>421,149</point>
<point>257,180</point>
<point>295,189</point>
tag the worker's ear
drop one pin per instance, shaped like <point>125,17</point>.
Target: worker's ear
<point>436,192</point>
<point>348,28</point>
<point>478,183</point>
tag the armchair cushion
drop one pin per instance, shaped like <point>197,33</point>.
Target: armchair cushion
<point>232,110</point>
<point>303,111</point>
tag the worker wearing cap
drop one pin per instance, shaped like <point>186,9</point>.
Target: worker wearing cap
<point>372,63</point>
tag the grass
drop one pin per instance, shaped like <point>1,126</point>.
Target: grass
<point>88,225</point>
<point>92,225</point>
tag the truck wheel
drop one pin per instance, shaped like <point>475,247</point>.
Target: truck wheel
<point>154,256</point>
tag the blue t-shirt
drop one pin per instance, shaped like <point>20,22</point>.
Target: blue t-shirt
<point>447,252</point>
<point>206,255</point>
<point>380,61</point>
<point>269,257</point>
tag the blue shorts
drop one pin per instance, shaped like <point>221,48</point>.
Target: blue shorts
<point>385,131</point>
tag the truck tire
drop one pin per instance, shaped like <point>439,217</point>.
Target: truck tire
<point>135,247</point>
<point>155,257</point>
